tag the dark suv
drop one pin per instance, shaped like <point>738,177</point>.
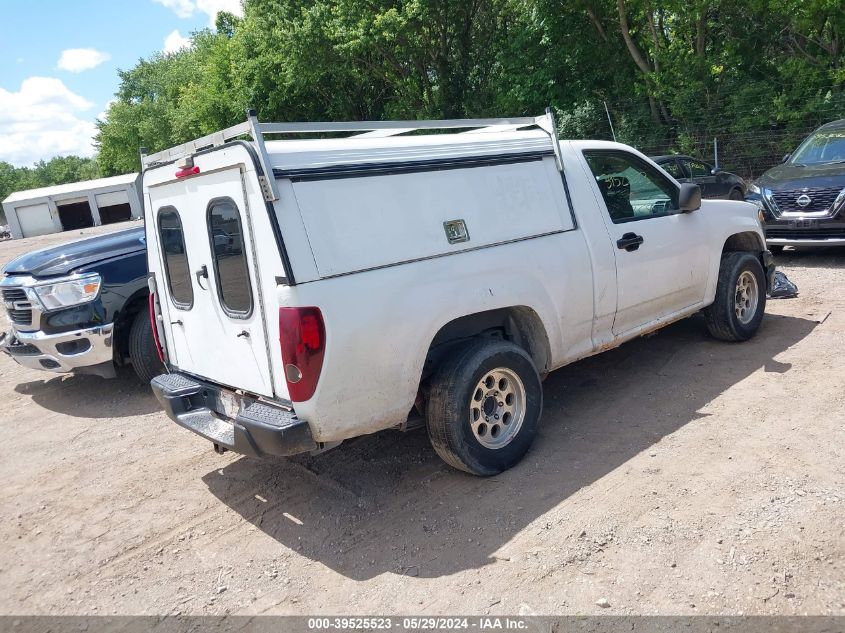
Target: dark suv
<point>803,198</point>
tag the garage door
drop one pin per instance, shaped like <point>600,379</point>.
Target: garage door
<point>112,198</point>
<point>114,207</point>
<point>35,220</point>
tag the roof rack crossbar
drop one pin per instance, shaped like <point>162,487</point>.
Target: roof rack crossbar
<point>370,126</point>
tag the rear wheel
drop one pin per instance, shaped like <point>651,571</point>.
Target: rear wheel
<point>142,348</point>
<point>740,302</point>
<point>736,194</point>
<point>484,406</point>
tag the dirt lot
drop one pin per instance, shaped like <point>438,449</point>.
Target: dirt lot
<point>673,475</point>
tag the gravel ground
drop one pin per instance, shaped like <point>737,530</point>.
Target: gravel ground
<point>674,475</point>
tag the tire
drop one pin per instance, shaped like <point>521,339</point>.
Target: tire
<point>736,194</point>
<point>142,349</point>
<point>734,316</point>
<point>455,388</point>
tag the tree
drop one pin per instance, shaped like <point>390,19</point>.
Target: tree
<point>672,74</point>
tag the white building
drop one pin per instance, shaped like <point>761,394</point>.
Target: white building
<point>74,205</point>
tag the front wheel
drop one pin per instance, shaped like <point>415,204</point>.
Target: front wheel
<point>736,194</point>
<point>740,302</point>
<point>484,407</point>
<point>142,348</point>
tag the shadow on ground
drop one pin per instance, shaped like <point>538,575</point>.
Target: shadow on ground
<point>86,396</point>
<point>385,503</point>
<point>812,257</point>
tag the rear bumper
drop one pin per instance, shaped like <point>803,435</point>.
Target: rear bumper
<point>60,353</point>
<point>257,428</point>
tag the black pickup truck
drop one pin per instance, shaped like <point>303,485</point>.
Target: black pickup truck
<point>82,307</point>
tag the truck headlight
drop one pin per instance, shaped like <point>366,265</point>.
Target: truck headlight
<point>754,195</point>
<point>65,293</point>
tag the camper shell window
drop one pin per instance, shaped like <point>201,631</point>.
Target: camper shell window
<point>175,258</point>
<point>230,265</point>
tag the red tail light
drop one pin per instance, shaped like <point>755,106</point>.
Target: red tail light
<point>155,326</point>
<point>302,335</point>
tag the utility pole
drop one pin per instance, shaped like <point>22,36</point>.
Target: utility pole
<point>612,131</point>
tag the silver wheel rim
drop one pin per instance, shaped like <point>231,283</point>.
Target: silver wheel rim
<point>747,297</point>
<point>497,408</point>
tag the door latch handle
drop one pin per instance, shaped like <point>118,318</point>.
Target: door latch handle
<point>629,242</point>
<point>201,273</point>
<point>243,334</point>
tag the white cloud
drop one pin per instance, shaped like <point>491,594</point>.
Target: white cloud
<point>42,120</point>
<point>175,42</point>
<point>187,8</point>
<point>182,8</point>
<point>213,7</point>
<point>105,113</point>
<point>76,60</point>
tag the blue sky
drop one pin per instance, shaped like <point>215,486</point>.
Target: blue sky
<point>60,60</point>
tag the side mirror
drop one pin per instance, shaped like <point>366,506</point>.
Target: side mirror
<point>785,158</point>
<point>689,197</point>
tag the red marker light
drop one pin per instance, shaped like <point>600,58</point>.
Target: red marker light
<point>155,327</point>
<point>188,171</point>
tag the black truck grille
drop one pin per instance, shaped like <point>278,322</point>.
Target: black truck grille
<point>18,306</point>
<point>821,199</point>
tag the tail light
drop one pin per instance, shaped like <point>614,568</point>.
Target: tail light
<point>302,335</point>
<point>153,322</point>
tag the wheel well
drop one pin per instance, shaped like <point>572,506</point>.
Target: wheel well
<point>519,324</point>
<point>748,241</point>
<point>123,323</point>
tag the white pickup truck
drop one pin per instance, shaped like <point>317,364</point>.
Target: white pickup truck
<point>310,290</point>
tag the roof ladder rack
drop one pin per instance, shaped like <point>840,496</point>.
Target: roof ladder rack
<point>256,131</point>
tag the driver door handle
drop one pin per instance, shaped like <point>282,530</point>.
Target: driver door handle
<point>202,272</point>
<point>629,242</point>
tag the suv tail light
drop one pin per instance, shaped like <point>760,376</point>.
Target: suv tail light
<point>153,322</point>
<point>302,335</point>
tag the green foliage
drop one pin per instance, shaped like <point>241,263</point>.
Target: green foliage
<point>673,75</point>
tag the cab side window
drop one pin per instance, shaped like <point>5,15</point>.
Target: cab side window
<point>172,241</point>
<point>632,189</point>
<point>696,169</point>
<point>673,168</point>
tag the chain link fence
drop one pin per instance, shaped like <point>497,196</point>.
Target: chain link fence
<point>743,138</point>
